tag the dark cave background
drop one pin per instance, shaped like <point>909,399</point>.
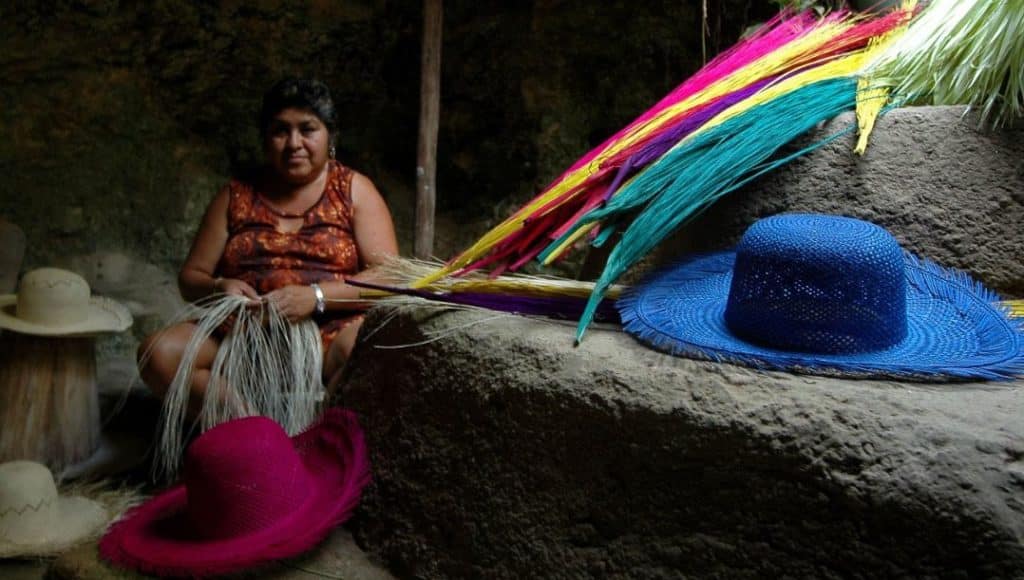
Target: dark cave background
<point>122,119</point>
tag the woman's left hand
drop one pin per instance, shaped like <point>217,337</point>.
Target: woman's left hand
<point>293,302</point>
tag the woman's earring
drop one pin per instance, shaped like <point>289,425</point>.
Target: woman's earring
<point>330,151</point>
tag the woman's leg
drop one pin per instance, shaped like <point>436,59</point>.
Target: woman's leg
<point>160,355</point>
<point>338,354</point>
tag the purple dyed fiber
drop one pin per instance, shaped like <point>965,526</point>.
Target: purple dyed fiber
<point>666,140</point>
<point>564,307</point>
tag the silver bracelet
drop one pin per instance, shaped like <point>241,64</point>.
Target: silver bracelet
<point>321,299</point>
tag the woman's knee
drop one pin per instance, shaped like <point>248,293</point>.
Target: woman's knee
<point>161,353</point>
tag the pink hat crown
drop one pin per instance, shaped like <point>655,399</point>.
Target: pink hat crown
<point>242,477</point>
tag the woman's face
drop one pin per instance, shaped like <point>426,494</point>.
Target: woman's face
<point>296,145</point>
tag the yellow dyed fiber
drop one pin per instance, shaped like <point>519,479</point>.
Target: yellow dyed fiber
<point>871,98</point>
<point>870,101</point>
<point>1016,308</point>
<point>570,241</point>
<point>800,50</point>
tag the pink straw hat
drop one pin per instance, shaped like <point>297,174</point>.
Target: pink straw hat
<point>250,495</point>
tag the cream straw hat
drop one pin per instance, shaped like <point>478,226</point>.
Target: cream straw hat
<point>54,302</point>
<point>35,520</point>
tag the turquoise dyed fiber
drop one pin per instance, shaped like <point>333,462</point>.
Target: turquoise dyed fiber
<point>686,180</point>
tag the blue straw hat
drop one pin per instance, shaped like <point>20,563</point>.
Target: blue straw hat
<point>828,295</point>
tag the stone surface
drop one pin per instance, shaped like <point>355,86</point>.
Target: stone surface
<point>22,569</point>
<point>500,451</point>
<point>12,252</point>
<point>945,189</point>
<point>144,288</point>
<point>337,557</point>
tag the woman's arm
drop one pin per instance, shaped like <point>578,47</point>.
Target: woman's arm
<point>196,279</point>
<point>375,239</point>
<point>371,220</point>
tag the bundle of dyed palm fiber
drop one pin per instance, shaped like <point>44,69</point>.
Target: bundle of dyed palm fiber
<point>960,52</point>
<point>716,132</point>
<point>786,47</point>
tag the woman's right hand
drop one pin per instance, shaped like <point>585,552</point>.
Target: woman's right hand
<point>235,287</point>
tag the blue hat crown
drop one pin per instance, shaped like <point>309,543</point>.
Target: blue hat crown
<point>817,283</point>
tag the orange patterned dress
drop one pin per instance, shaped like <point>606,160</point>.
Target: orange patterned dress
<point>323,249</point>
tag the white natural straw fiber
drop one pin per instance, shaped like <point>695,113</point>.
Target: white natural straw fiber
<point>265,365</point>
<point>957,52</point>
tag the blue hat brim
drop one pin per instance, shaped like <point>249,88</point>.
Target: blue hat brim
<point>956,328</point>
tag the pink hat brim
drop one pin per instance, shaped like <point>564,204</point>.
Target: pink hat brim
<point>156,537</point>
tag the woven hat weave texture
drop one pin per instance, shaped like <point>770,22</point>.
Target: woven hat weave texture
<point>818,284</point>
<point>36,519</point>
<point>55,302</point>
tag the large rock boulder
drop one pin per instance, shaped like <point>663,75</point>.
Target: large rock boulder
<point>501,451</point>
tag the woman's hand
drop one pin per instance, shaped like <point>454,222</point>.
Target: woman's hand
<point>293,302</point>
<point>236,287</point>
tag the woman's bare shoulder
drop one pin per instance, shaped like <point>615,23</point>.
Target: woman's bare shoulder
<point>361,180</point>
<point>363,188</point>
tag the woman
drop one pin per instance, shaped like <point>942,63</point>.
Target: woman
<point>289,236</point>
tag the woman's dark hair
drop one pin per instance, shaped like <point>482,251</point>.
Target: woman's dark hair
<point>309,94</point>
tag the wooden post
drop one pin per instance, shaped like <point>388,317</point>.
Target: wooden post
<point>426,150</point>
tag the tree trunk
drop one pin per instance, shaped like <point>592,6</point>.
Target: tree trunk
<point>426,152</point>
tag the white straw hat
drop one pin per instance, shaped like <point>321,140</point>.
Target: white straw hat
<point>35,520</point>
<point>55,302</point>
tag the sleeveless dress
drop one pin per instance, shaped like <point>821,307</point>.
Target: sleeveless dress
<point>323,249</point>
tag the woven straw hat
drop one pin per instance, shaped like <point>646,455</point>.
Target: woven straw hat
<point>35,520</point>
<point>250,495</point>
<point>55,302</point>
<point>830,295</point>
